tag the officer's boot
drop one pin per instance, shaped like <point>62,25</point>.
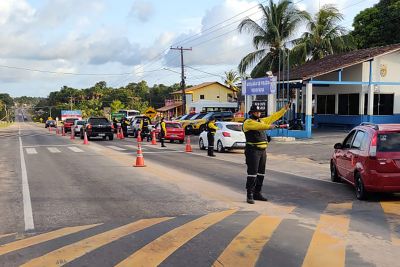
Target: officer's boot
<point>250,184</point>
<point>257,191</point>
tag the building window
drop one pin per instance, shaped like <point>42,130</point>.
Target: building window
<point>383,104</point>
<point>326,104</point>
<point>201,96</point>
<point>349,104</point>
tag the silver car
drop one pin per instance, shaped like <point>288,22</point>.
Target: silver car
<point>77,126</point>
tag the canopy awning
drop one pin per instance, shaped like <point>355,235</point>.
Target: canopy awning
<point>169,107</point>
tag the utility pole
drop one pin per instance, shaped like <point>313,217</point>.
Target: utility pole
<point>182,76</point>
<point>70,102</point>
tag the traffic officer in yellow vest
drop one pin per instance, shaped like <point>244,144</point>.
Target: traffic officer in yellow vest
<point>211,130</point>
<point>163,132</point>
<point>256,143</point>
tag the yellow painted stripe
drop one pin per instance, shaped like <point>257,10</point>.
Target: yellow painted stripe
<point>328,245</point>
<point>245,249</point>
<point>71,252</point>
<point>24,243</point>
<point>157,251</point>
<point>392,210</point>
<point>5,235</point>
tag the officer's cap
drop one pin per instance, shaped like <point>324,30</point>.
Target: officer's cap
<point>254,108</point>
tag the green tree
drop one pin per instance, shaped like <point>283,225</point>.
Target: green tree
<point>231,79</point>
<point>378,25</point>
<point>279,23</point>
<point>324,36</point>
<point>116,105</point>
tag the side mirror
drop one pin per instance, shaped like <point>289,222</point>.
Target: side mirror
<point>338,146</point>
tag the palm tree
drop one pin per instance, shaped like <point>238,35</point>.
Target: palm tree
<point>324,36</point>
<point>278,24</point>
<point>231,79</point>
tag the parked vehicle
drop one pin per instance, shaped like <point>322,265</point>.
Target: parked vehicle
<point>78,124</point>
<point>229,136</point>
<point>50,123</point>
<point>369,159</point>
<point>98,127</point>
<point>198,125</point>
<point>68,123</point>
<point>174,131</point>
<point>185,122</point>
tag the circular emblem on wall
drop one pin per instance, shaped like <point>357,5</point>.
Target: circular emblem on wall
<point>383,70</point>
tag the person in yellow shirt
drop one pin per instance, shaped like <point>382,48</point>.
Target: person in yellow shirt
<point>254,129</point>
<point>163,132</point>
<point>211,130</point>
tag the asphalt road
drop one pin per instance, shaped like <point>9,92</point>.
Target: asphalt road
<point>90,207</point>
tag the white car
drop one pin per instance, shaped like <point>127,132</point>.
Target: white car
<point>229,135</point>
<point>77,126</point>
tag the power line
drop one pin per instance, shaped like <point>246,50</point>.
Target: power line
<point>209,73</point>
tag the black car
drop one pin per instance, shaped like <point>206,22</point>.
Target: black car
<point>98,127</point>
<point>50,123</point>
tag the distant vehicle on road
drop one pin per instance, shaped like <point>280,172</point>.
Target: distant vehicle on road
<point>199,124</point>
<point>98,127</point>
<point>50,123</point>
<point>228,136</point>
<point>369,159</point>
<point>135,124</point>
<point>174,131</point>
<point>78,124</point>
<point>68,123</point>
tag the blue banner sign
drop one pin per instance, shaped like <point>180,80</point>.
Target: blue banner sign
<point>260,86</point>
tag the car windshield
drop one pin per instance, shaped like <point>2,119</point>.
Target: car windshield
<point>70,120</point>
<point>189,116</point>
<point>80,122</point>
<point>173,125</point>
<point>201,116</point>
<point>98,121</point>
<point>234,127</point>
<point>389,142</point>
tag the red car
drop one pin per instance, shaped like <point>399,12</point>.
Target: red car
<point>174,131</point>
<point>68,123</point>
<point>369,159</point>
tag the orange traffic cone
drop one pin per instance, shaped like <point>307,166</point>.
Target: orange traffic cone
<point>57,130</point>
<point>139,136</point>
<point>118,135</point>
<point>72,134</point>
<point>139,157</point>
<point>85,139</point>
<point>153,138</point>
<point>63,131</point>
<point>188,146</point>
<point>122,134</point>
<point>49,128</point>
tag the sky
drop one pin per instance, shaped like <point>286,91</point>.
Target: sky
<point>46,44</point>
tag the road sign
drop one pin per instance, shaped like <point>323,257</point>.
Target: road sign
<point>151,113</point>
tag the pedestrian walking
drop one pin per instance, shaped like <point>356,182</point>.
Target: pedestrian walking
<point>211,130</point>
<point>256,143</point>
<point>163,132</point>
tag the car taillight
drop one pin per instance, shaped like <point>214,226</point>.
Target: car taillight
<point>372,148</point>
<point>226,134</point>
<point>112,126</point>
<point>89,126</point>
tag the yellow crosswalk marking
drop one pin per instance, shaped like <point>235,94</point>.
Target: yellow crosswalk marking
<point>328,245</point>
<point>24,243</point>
<point>157,251</point>
<point>71,252</point>
<point>392,210</point>
<point>5,235</point>
<point>245,249</point>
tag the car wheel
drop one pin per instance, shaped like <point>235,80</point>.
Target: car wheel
<point>220,147</point>
<point>201,144</point>
<point>171,141</point>
<point>334,175</point>
<point>181,141</point>
<point>81,135</point>
<point>361,193</point>
<point>110,137</point>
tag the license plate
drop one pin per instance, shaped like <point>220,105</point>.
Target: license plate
<point>241,144</point>
<point>102,134</point>
<point>173,135</point>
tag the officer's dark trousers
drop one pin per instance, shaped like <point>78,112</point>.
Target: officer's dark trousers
<point>210,139</point>
<point>162,138</point>
<point>255,160</point>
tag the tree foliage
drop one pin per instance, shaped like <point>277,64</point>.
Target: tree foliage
<point>378,25</point>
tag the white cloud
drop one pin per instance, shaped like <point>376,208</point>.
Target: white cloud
<point>12,11</point>
<point>142,10</point>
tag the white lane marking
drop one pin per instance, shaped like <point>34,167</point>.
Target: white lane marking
<point>48,145</point>
<point>54,150</point>
<point>163,152</point>
<point>30,151</point>
<point>96,148</point>
<point>133,147</point>
<point>26,195</point>
<point>116,148</point>
<point>75,149</point>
